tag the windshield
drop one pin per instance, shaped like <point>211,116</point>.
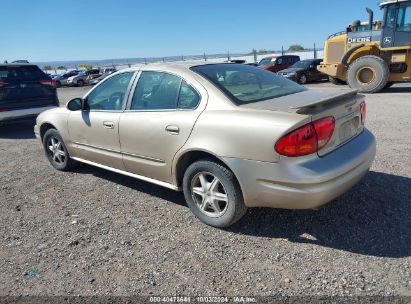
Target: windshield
<point>265,62</point>
<point>304,64</point>
<point>246,84</point>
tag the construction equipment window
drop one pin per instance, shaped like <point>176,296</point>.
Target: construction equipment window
<point>404,19</point>
<point>390,17</point>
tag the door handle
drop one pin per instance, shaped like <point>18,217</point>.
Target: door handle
<point>108,124</point>
<point>173,129</point>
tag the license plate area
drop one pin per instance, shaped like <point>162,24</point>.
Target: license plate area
<point>348,129</point>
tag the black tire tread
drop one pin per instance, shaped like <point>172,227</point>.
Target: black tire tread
<point>363,60</point>
<point>240,208</point>
<point>70,163</point>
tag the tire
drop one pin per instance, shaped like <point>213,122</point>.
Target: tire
<point>368,74</point>
<point>302,79</point>
<point>80,83</point>
<point>336,81</point>
<point>58,84</point>
<point>389,85</point>
<point>59,158</point>
<point>199,192</point>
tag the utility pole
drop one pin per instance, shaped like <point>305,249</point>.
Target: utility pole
<point>315,52</point>
<point>282,50</point>
<point>205,57</point>
<point>255,55</point>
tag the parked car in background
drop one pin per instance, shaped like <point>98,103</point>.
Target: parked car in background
<point>231,136</point>
<point>25,91</point>
<point>304,71</point>
<point>107,71</point>
<point>61,80</point>
<point>93,73</point>
<point>83,77</point>
<point>104,73</point>
<point>278,63</point>
<point>20,61</point>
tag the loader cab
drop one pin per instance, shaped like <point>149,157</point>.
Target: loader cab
<point>396,29</point>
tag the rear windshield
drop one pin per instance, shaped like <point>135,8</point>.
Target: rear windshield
<point>247,84</point>
<point>22,73</point>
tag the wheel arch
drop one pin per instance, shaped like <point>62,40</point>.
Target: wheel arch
<point>359,51</point>
<point>44,128</point>
<point>188,157</point>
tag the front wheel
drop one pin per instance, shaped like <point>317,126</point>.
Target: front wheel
<point>80,83</point>
<point>213,194</point>
<point>56,151</point>
<point>368,74</point>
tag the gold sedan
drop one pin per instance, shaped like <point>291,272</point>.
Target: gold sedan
<point>230,136</point>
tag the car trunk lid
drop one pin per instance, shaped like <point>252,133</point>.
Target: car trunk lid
<point>343,105</point>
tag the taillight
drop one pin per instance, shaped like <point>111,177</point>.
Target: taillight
<point>48,82</point>
<point>307,139</point>
<point>363,111</point>
<point>324,128</point>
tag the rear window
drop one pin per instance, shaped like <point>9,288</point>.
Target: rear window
<point>247,84</point>
<point>22,73</point>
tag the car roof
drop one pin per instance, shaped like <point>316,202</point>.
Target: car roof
<point>17,64</point>
<point>175,66</point>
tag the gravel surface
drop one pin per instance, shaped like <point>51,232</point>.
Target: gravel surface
<point>93,232</point>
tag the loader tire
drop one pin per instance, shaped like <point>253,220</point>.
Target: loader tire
<point>368,74</point>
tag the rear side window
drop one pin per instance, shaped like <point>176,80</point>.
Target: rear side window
<point>188,98</point>
<point>246,84</point>
<point>22,73</point>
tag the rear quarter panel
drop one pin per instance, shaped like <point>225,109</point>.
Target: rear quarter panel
<point>244,134</point>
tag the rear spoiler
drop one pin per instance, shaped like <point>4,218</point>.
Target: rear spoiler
<point>332,97</point>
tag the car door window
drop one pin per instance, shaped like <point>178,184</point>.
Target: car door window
<point>110,94</point>
<point>155,91</point>
<point>280,61</point>
<point>188,97</point>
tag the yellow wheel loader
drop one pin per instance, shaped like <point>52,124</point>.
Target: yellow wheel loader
<point>373,55</point>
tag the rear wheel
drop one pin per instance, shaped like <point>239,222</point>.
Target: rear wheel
<point>302,79</point>
<point>368,74</point>
<point>56,151</point>
<point>213,194</point>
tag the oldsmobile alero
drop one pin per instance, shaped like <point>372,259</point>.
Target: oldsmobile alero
<point>230,136</point>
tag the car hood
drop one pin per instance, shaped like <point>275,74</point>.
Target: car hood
<point>291,103</point>
<point>292,70</point>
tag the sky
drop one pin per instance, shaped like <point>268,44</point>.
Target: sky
<point>53,30</point>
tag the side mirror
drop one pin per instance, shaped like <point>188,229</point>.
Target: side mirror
<point>75,104</point>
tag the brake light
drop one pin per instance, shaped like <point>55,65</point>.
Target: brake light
<point>48,82</point>
<point>307,139</point>
<point>363,111</point>
<point>2,84</point>
<point>324,129</point>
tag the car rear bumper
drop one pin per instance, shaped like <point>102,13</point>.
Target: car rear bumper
<point>305,183</point>
<point>22,114</point>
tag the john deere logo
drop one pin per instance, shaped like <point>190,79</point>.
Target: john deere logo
<point>387,40</point>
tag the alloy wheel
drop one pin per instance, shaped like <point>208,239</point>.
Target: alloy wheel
<point>209,194</point>
<point>56,150</point>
